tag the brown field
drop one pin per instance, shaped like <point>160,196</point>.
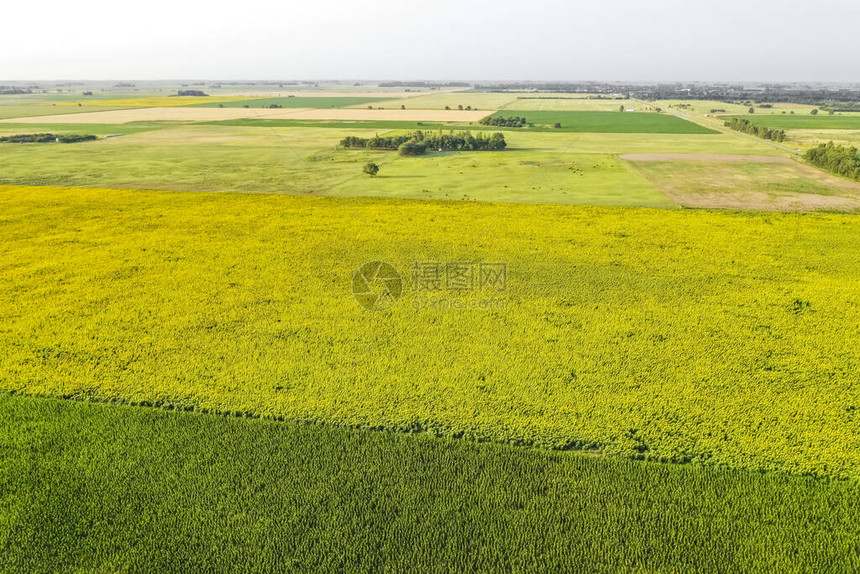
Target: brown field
<point>746,182</point>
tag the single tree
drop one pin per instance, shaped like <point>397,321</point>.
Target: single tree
<point>371,169</point>
<point>752,110</point>
<point>621,108</point>
<point>814,112</point>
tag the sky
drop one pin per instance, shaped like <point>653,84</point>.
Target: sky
<point>538,40</point>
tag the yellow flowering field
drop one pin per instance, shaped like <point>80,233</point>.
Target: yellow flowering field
<point>675,335</point>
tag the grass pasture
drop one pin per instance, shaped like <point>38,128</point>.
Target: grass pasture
<point>778,184</point>
<point>188,158</point>
<point>609,122</point>
<point>533,177</point>
<point>685,336</point>
<point>301,157</point>
<point>97,488</point>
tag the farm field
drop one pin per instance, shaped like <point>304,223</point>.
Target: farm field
<point>157,101</point>
<point>685,336</point>
<point>574,102</point>
<point>807,122</point>
<point>703,107</point>
<point>282,495</point>
<point>438,101</point>
<point>537,167</point>
<point>580,179</point>
<point>200,114</point>
<point>663,380</point>
<point>34,110</point>
<point>609,122</point>
<point>810,138</point>
<point>299,102</point>
<point>771,183</point>
<point>303,156</point>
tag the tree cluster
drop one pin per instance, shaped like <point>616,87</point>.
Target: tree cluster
<point>47,138</point>
<point>503,122</point>
<point>747,127</point>
<point>198,93</point>
<point>841,160</point>
<point>419,142</point>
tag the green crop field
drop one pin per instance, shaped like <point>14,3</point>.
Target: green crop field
<point>608,122</point>
<point>821,121</point>
<point>685,336</point>
<point>298,102</point>
<point>98,488</point>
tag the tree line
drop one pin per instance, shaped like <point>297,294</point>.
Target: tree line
<point>747,127</point>
<point>503,122</point>
<point>838,159</point>
<point>419,142</point>
<point>46,138</point>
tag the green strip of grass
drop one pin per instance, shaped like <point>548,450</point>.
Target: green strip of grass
<point>806,122</point>
<point>607,122</point>
<point>95,129</point>
<point>96,488</point>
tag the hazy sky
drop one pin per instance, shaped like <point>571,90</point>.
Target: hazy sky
<point>770,40</point>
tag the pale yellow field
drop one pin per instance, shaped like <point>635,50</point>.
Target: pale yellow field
<point>811,138</point>
<point>746,182</point>
<point>154,114</point>
<point>438,101</point>
<point>574,103</point>
<point>153,101</point>
<point>323,94</point>
<point>389,114</point>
